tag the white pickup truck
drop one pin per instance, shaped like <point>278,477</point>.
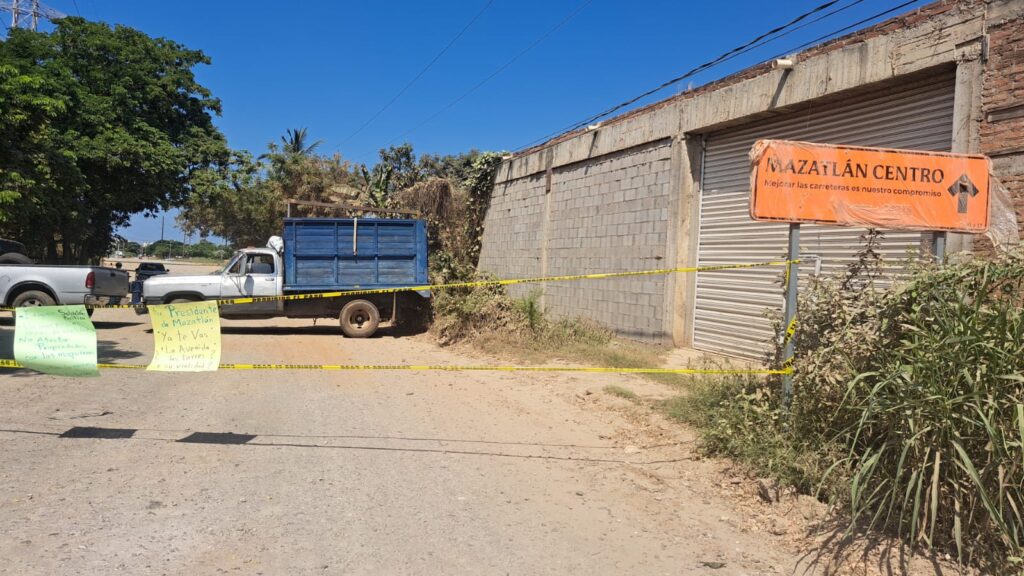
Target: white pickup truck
<point>43,285</point>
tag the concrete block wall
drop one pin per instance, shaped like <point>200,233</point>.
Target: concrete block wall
<point>514,225</point>
<point>610,214</point>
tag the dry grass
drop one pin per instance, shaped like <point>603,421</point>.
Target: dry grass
<point>487,319</point>
<point>621,392</point>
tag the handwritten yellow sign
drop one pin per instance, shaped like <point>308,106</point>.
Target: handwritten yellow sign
<point>56,340</point>
<point>186,337</point>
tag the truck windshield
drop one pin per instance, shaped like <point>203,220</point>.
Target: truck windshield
<point>234,265</point>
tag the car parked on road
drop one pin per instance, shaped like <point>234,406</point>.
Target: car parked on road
<point>147,270</point>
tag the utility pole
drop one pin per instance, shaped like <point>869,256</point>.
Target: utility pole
<point>35,15</point>
<point>163,218</point>
<point>15,13</point>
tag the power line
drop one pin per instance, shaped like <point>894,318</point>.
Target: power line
<point>769,36</point>
<point>731,54</point>
<point>500,69</point>
<point>421,72</point>
<point>77,11</point>
<point>854,25</point>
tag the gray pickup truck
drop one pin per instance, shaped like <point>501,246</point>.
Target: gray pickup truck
<point>42,285</point>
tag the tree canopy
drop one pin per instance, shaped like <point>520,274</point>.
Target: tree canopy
<point>242,201</point>
<point>98,123</point>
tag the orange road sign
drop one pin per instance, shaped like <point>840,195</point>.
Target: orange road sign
<point>875,187</point>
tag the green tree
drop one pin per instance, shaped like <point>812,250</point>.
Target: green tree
<point>400,161</point>
<point>26,115</point>
<point>97,124</point>
<point>298,173</point>
<point>235,202</point>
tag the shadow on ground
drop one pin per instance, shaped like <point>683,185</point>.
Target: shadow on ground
<point>842,547</point>
<point>103,325</point>
<point>253,440</point>
<point>108,350</point>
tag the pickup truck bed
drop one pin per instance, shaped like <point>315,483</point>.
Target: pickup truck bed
<point>43,285</point>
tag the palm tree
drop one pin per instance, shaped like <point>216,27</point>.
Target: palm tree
<point>294,143</point>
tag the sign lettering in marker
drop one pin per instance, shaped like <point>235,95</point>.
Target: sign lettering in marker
<point>874,187</point>
<point>57,340</point>
<point>186,337</point>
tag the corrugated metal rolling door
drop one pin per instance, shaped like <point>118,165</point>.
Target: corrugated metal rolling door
<point>730,306</point>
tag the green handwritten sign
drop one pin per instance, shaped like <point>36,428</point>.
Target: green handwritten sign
<point>57,340</point>
<point>186,337</point>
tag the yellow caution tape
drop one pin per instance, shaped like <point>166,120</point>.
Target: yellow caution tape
<point>474,284</point>
<point>790,330</point>
<point>8,363</point>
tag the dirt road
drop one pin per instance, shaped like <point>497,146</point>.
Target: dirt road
<point>350,472</point>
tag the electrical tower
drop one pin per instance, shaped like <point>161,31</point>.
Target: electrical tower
<point>29,12</point>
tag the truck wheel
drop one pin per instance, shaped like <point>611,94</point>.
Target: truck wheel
<point>15,258</point>
<point>359,319</point>
<point>32,298</point>
<point>181,301</point>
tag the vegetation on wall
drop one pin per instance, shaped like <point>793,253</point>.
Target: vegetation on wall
<point>452,194</point>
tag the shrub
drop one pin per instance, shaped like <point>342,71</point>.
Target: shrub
<point>462,313</point>
<point>934,421</point>
<point>908,406</point>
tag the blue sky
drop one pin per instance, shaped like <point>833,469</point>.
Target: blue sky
<point>331,65</point>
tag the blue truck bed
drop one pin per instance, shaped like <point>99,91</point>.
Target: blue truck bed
<point>324,254</point>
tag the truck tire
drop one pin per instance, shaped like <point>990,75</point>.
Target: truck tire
<point>32,298</point>
<point>14,258</point>
<point>359,319</point>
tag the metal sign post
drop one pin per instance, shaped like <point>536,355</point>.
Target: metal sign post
<point>939,247</point>
<point>792,271</point>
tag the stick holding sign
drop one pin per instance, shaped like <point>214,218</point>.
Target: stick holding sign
<point>57,340</point>
<point>186,337</point>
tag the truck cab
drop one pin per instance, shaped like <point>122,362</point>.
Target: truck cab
<point>249,272</point>
<point>253,272</point>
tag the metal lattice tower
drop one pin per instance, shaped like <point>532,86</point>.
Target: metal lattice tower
<point>29,11</point>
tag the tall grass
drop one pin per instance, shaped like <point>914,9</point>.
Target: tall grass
<point>935,422</point>
<point>908,407</point>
